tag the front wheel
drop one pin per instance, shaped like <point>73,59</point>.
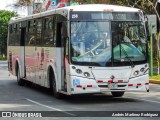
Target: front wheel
<point>53,86</point>
<point>117,94</point>
<point>20,81</point>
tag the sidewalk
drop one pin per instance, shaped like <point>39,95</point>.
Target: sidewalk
<point>154,81</point>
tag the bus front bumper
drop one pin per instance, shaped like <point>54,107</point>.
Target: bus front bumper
<point>83,85</point>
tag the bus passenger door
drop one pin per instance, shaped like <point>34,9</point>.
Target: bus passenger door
<point>22,51</point>
<point>61,56</point>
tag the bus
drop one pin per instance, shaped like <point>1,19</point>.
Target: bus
<point>83,49</point>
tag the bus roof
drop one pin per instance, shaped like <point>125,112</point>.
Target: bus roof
<point>86,7</point>
<point>102,7</point>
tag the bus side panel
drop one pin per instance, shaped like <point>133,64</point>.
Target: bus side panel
<point>49,60</point>
<point>39,65</point>
<point>30,63</point>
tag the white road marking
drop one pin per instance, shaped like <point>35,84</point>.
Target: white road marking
<point>50,107</point>
<point>144,100</point>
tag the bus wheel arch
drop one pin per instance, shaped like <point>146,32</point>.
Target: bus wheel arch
<point>20,81</point>
<point>52,83</point>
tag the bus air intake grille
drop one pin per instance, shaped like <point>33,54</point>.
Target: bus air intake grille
<point>106,86</point>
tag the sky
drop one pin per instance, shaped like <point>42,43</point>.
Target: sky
<point>3,4</point>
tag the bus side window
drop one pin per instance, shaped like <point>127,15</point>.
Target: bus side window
<point>48,36</point>
<point>17,34</point>
<point>38,31</point>
<point>61,34</point>
<point>58,39</point>
<point>31,33</point>
<point>11,36</point>
<point>64,33</point>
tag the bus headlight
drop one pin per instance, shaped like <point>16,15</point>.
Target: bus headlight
<point>86,74</point>
<point>142,69</point>
<point>79,71</point>
<point>136,72</point>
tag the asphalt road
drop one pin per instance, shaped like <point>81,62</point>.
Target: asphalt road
<point>34,98</point>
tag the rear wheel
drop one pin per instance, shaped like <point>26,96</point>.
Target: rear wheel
<point>53,85</point>
<point>20,81</point>
<point>117,94</point>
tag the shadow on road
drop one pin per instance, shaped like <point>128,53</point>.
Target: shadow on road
<point>81,99</point>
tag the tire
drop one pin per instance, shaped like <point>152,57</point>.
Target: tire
<point>20,81</point>
<point>117,94</point>
<point>53,86</point>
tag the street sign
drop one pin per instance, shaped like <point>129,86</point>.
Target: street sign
<point>152,19</point>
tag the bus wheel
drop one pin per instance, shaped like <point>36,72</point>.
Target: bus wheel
<point>20,81</point>
<point>117,94</point>
<point>53,86</point>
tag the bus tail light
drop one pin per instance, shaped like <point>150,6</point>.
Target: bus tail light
<point>89,85</point>
<point>130,84</point>
<point>146,83</point>
<point>79,86</point>
<point>110,81</point>
<point>99,81</point>
<point>139,84</point>
<point>120,80</point>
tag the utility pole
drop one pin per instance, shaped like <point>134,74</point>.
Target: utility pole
<point>157,7</point>
<point>151,50</point>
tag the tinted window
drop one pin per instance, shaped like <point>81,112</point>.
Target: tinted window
<point>31,38</point>
<point>49,31</point>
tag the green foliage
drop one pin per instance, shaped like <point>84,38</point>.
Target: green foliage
<point>119,2</point>
<point>88,1</point>
<point>83,1</point>
<point>5,16</point>
<point>155,77</point>
<point>114,2</point>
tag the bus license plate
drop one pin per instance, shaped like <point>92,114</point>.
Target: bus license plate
<point>112,85</point>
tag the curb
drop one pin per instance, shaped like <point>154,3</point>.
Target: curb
<point>154,81</point>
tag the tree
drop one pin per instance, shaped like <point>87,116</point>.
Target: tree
<point>5,16</point>
<point>150,7</point>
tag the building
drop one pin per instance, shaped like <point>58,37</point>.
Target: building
<point>12,5</point>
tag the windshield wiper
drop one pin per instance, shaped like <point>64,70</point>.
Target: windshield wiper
<point>130,61</point>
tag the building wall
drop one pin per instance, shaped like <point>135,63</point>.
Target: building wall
<point>22,10</point>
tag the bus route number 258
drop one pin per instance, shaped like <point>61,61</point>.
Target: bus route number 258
<point>74,16</point>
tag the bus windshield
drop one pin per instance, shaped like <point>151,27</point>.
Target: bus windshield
<point>129,41</point>
<point>90,43</point>
<point>99,43</point>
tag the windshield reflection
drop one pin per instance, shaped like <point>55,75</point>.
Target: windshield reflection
<point>91,43</point>
<point>130,36</point>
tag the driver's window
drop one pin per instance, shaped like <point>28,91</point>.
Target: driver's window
<point>133,32</point>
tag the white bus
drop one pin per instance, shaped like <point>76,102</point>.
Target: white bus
<point>80,49</point>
